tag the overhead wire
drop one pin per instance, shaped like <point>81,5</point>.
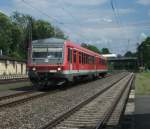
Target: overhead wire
<point>39,10</point>
<point>72,16</point>
<point>51,18</point>
<point>118,20</point>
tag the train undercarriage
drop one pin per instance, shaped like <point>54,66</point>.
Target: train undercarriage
<point>44,80</point>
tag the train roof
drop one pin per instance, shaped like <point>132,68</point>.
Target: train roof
<point>48,41</point>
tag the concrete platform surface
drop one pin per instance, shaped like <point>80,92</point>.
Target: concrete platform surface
<point>142,112</point>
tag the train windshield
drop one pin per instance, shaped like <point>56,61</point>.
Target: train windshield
<point>47,54</point>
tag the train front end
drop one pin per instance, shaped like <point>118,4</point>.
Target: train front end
<point>46,62</point>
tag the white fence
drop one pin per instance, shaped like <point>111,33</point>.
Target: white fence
<point>8,77</point>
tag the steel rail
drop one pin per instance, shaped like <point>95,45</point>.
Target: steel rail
<point>15,95</point>
<point>13,103</point>
<point>107,115</point>
<point>62,117</point>
<point>21,101</point>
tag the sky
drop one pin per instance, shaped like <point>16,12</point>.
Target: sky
<point>115,24</point>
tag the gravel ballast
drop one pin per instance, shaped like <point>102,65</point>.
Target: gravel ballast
<point>37,113</point>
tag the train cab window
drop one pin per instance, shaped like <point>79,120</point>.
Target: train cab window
<point>74,56</point>
<point>70,55</point>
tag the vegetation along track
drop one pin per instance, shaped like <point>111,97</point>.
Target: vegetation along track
<point>95,111</point>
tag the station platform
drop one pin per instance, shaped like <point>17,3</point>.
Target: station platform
<point>142,112</point>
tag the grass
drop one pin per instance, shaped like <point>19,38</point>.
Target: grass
<point>142,83</point>
<point>14,86</point>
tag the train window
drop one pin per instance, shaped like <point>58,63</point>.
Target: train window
<point>39,52</point>
<point>102,62</point>
<point>80,57</point>
<point>94,60</point>
<point>89,59</point>
<point>83,59</point>
<point>86,58</point>
<point>74,56</point>
<point>69,55</point>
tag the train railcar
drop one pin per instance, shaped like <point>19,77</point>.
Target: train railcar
<point>57,61</point>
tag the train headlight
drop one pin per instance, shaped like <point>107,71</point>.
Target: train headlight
<point>33,68</point>
<point>59,69</point>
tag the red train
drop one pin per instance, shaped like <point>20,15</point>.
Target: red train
<point>57,61</point>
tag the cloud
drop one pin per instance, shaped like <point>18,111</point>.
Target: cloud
<point>143,36</point>
<point>85,2</point>
<point>143,2</point>
<point>126,11</point>
<point>99,20</point>
<point>89,21</point>
<point>2,11</point>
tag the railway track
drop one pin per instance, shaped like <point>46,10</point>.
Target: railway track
<point>19,98</point>
<point>95,111</point>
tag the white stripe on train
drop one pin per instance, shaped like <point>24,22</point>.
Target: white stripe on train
<point>82,71</point>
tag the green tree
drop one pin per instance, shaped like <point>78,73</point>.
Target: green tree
<point>17,36</point>
<point>130,54</point>
<point>144,53</point>
<point>17,31</point>
<point>24,24</point>
<point>42,29</point>
<point>90,47</point>
<point>59,33</point>
<point>105,51</point>
<point>5,33</point>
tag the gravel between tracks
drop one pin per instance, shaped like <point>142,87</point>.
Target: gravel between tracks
<point>35,114</point>
<point>88,116</point>
<point>20,97</point>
